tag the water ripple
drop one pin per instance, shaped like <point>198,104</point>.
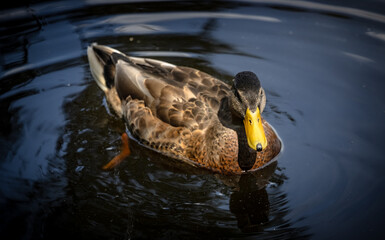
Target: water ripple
<point>159,17</point>
<point>327,7</point>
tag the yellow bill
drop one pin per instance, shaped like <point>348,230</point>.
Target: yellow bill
<point>254,129</point>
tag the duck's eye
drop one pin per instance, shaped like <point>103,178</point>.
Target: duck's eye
<point>251,122</point>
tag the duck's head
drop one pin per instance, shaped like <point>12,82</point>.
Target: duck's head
<point>247,103</point>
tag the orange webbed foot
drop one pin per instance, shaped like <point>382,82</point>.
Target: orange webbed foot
<point>124,152</point>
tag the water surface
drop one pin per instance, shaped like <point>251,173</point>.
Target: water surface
<point>320,63</point>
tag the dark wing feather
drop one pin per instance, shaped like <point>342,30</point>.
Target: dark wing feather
<point>179,96</point>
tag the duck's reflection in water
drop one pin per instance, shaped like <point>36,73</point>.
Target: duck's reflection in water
<point>250,208</point>
<point>249,201</point>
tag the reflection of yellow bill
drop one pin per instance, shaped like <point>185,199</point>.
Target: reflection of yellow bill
<point>254,129</point>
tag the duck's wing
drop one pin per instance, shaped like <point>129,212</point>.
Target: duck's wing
<point>179,96</point>
<point>149,79</point>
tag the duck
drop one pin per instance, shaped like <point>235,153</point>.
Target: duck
<point>187,114</point>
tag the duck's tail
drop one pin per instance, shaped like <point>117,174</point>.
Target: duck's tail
<point>102,67</point>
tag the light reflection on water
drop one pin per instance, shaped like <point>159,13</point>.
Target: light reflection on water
<point>321,66</point>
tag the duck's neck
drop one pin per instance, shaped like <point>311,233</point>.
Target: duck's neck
<point>246,155</point>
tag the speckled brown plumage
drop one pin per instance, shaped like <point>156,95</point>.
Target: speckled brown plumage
<point>174,110</point>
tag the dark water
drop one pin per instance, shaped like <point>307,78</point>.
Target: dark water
<point>322,65</point>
